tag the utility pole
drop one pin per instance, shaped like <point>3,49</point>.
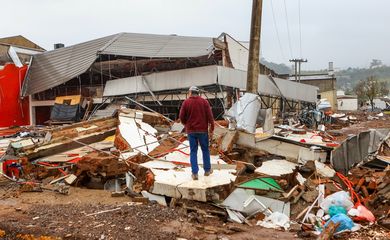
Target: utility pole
<point>252,81</point>
<point>298,69</point>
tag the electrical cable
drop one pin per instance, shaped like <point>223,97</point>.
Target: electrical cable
<point>276,30</point>
<point>288,28</point>
<point>300,28</point>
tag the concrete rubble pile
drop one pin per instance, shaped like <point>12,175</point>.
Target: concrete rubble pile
<point>276,177</point>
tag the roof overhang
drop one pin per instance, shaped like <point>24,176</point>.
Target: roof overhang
<point>206,76</point>
<point>53,68</point>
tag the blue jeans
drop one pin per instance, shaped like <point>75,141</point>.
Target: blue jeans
<point>203,139</point>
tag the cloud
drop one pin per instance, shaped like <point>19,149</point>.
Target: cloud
<point>348,32</point>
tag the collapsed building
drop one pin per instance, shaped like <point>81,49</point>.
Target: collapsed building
<point>155,70</point>
<point>260,176</point>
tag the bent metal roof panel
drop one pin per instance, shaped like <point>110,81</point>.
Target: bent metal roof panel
<point>58,66</point>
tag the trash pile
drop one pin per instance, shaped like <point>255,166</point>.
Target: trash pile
<point>278,177</point>
<point>321,119</point>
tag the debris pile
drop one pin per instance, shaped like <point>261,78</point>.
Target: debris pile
<point>283,178</point>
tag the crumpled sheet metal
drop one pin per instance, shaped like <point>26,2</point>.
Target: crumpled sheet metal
<point>245,112</point>
<point>356,149</point>
<point>244,200</point>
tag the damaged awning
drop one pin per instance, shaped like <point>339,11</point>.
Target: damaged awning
<point>205,76</point>
<point>58,66</point>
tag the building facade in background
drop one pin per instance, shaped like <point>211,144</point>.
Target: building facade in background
<point>326,82</point>
<point>346,102</point>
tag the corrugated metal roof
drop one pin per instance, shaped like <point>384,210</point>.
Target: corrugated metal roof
<point>58,66</point>
<point>155,46</point>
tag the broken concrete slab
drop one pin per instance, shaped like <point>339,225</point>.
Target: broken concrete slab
<point>179,184</point>
<point>154,197</point>
<point>139,136</point>
<point>324,170</point>
<point>276,167</point>
<point>228,140</point>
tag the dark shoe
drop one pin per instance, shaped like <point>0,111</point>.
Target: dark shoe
<point>208,173</point>
<point>194,176</point>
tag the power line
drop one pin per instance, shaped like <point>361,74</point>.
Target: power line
<point>277,31</point>
<point>300,28</point>
<point>288,28</point>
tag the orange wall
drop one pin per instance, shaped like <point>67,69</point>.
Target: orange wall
<point>13,110</point>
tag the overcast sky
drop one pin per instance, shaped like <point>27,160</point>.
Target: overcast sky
<point>347,32</point>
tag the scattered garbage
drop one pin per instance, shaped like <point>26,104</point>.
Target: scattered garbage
<point>362,213</point>
<point>344,222</point>
<point>275,220</point>
<point>338,199</point>
<point>334,210</point>
<point>283,178</point>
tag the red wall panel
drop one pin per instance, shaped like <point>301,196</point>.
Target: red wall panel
<point>13,110</point>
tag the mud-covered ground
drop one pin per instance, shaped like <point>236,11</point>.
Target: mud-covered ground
<point>80,215</point>
<point>94,214</point>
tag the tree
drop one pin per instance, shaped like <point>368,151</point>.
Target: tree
<point>370,89</point>
<point>375,63</point>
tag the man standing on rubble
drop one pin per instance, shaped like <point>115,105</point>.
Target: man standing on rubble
<point>197,117</point>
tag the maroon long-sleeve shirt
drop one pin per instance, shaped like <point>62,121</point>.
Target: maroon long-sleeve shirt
<point>196,115</point>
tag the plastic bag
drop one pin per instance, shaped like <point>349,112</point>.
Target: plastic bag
<point>361,213</point>
<point>275,220</point>
<point>341,198</point>
<point>333,210</point>
<point>345,222</point>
